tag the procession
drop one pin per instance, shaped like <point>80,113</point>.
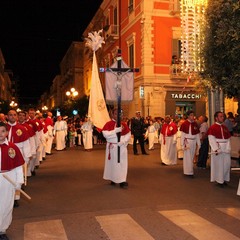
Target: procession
<point>31,137</point>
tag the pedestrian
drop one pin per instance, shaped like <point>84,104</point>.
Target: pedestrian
<point>11,161</point>
<point>219,140</point>
<point>138,130</point>
<point>203,151</point>
<point>71,136</point>
<point>168,141</point>
<point>87,131</point>
<point>189,139</point>
<point>116,171</point>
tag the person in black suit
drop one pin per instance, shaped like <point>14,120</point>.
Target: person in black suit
<point>138,130</point>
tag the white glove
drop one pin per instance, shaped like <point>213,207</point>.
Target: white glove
<point>120,144</point>
<point>18,186</point>
<point>118,129</point>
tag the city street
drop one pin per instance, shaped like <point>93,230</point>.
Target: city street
<point>71,201</point>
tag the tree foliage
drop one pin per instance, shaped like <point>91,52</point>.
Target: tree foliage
<point>221,51</point>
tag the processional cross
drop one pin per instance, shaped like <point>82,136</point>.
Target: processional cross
<point>120,72</point>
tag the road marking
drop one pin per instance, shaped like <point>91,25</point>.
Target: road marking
<point>50,230</point>
<point>197,226</point>
<point>233,212</point>
<point>122,227</point>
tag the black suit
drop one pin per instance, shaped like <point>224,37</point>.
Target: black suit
<point>138,129</point>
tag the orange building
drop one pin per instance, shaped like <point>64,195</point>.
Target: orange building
<point>148,32</point>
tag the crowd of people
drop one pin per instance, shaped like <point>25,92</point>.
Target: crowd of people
<point>27,137</point>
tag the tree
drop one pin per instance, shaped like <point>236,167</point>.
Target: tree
<point>221,51</point>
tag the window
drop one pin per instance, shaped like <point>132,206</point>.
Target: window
<point>176,47</point>
<point>130,6</point>
<point>131,55</point>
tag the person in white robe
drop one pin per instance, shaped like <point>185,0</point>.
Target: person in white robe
<point>60,133</point>
<point>11,162</point>
<point>151,134</point>
<point>219,141</point>
<point>87,132</point>
<point>168,140</point>
<point>190,139</point>
<point>115,169</point>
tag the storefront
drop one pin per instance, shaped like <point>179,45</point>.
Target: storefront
<point>178,103</point>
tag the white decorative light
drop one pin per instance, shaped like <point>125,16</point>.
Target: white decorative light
<point>192,22</point>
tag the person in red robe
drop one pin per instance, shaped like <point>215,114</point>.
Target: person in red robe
<point>168,141</point>
<point>11,161</point>
<point>189,140</point>
<point>116,171</point>
<point>18,134</point>
<point>219,141</point>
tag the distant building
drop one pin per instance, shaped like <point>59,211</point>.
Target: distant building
<point>71,75</point>
<point>7,90</point>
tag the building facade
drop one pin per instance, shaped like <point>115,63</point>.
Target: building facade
<point>148,32</point>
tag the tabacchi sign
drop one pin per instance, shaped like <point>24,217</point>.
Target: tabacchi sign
<point>185,96</point>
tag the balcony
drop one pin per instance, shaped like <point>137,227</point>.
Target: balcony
<point>112,33</point>
<point>176,72</point>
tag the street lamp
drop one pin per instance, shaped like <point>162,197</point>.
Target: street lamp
<point>13,104</point>
<point>71,102</point>
<point>72,93</point>
<point>44,108</point>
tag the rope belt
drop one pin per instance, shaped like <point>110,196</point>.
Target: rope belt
<point>110,146</point>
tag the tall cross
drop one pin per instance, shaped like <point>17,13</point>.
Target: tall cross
<point>120,72</point>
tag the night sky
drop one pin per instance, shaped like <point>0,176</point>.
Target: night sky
<point>35,35</point>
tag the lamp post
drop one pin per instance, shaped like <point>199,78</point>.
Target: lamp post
<point>71,95</point>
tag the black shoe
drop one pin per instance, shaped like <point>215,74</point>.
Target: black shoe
<point>136,154</point>
<point>123,185</point>
<point>43,158</point>
<point>164,164</point>
<point>145,153</point>
<point>221,185</point>
<point>3,237</point>
<point>189,176</point>
<point>33,173</point>
<point>15,205</point>
<point>113,183</point>
<point>48,153</point>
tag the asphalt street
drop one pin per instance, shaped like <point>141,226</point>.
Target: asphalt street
<point>71,201</point>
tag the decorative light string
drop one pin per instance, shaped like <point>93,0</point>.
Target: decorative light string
<point>192,22</point>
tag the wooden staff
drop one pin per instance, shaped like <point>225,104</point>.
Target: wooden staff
<point>235,169</point>
<point>14,184</point>
<point>25,173</point>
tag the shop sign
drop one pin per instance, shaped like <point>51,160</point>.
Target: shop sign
<point>185,96</point>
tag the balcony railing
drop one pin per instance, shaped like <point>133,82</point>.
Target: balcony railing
<point>112,32</point>
<point>176,72</point>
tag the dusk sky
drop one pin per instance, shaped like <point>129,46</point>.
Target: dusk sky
<point>35,36</point>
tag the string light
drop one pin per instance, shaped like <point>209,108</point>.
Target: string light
<point>192,22</point>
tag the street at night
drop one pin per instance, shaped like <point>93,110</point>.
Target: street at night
<point>71,201</point>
